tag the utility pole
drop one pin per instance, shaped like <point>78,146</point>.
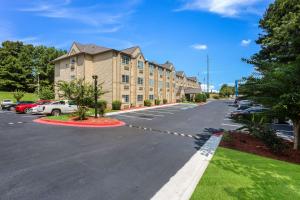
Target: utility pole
<point>207,79</point>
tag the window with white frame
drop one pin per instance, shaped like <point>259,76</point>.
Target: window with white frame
<point>140,81</point>
<point>160,71</point>
<point>151,69</point>
<point>160,84</point>
<point>151,97</point>
<point>125,60</point>
<point>168,85</point>
<point>151,82</point>
<point>125,78</point>
<point>140,97</point>
<point>140,64</point>
<point>125,98</point>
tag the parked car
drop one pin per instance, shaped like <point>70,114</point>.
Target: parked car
<point>6,104</point>
<point>24,107</point>
<point>56,108</point>
<point>248,111</point>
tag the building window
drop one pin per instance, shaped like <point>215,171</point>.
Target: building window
<point>73,60</point>
<point>140,97</point>
<point>140,64</point>
<point>125,98</point>
<point>160,84</point>
<point>140,81</point>
<point>125,60</point>
<point>168,74</point>
<point>151,69</point>
<point>125,78</point>
<point>151,82</point>
<point>73,77</point>
<point>168,85</point>
<point>151,97</point>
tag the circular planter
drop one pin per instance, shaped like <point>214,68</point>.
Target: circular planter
<point>102,123</point>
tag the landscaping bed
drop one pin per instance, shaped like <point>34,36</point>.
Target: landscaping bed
<point>69,120</point>
<point>249,143</point>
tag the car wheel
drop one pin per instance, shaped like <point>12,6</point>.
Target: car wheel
<point>55,112</point>
<point>27,111</point>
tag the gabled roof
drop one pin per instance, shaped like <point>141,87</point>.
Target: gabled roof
<point>130,50</point>
<point>192,78</point>
<point>180,73</point>
<point>168,65</point>
<point>91,48</point>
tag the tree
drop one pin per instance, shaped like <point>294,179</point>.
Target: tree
<point>276,83</point>
<point>20,66</point>
<point>81,93</point>
<point>18,95</point>
<point>46,93</point>
<point>226,90</point>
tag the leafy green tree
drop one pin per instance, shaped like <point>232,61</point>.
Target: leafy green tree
<point>226,90</point>
<point>18,95</point>
<point>81,93</point>
<point>46,93</point>
<point>276,83</point>
<point>21,65</point>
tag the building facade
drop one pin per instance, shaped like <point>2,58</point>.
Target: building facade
<point>126,74</point>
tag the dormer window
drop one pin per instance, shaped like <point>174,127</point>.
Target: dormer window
<point>125,60</point>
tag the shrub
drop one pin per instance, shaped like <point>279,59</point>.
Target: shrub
<point>200,97</point>
<point>147,102</point>
<point>116,105</point>
<point>18,95</point>
<point>156,101</point>
<point>183,99</point>
<point>46,93</point>
<point>207,95</point>
<point>101,105</point>
<point>216,97</point>
<point>165,101</point>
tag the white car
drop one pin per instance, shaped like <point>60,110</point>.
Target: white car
<point>56,108</point>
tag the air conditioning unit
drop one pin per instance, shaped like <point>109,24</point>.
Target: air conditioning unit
<point>126,87</point>
<point>151,74</point>
<point>141,88</point>
<point>161,76</point>
<point>141,71</point>
<point>126,67</point>
<point>161,90</point>
<point>72,66</point>
<point>168,90</point>
<point>151,89</point>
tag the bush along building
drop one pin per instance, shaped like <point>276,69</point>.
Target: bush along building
<point>126,75</point>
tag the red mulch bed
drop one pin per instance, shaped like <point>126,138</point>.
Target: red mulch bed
<point>250,144</point>
<point>89,122</point>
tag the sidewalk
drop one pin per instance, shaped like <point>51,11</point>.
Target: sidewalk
<point>182,185</point>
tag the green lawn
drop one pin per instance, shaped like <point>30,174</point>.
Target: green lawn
<point>9,95</point>
<point>237,175</point>
<point>65,117</point>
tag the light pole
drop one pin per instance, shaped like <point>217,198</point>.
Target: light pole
<point>95,77</point>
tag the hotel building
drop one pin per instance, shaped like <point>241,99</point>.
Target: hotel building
<point>126,74</point>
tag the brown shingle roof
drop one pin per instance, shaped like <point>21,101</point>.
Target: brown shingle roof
<point>180,73</point>
<point>91,48</point>
<point>130,50</point>
<point>168,65</point>
<point>192,78</point>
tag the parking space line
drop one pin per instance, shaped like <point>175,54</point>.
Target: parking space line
<point>231,125</point>
<point>147,114</point>
<point>130,116</point>
<point>172,110</point>
<point>155,111</point>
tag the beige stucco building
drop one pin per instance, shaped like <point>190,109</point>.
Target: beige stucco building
<point>126,74</point>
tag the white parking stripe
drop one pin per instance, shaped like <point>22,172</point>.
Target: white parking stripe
<point>142,113</point>
<point>172,110</point>
<point>231,125</point>
<point>130,116</point>
<point>10,123</point>
<point>155,111</point>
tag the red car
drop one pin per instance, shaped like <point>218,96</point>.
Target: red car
<point>24,107</point>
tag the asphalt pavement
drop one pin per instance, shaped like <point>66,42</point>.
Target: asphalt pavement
<point>131,162</point>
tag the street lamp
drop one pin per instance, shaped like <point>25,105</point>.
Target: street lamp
<point>95,77</point>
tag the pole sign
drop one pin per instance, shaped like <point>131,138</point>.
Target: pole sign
<point>236,88</point>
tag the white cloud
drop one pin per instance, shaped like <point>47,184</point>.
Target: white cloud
<point>228,8</point>
<point>97,15</point>
<point>211,88</point>
<point>199,46</point>
<point>245,43</point>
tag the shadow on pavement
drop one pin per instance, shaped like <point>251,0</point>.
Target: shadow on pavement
<point>203,137</point>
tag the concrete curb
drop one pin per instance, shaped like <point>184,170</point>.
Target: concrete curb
<point>182,185</point>
<point>139,109</point>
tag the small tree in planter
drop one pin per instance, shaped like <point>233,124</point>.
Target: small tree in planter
<point>156,101</point>
<point>147,102</point>
<point>81,93</point>
<point>116,105</point>
<point>46,93</point>
<point>165,101</point>
<point>101,105</point>
<point>18,95</point>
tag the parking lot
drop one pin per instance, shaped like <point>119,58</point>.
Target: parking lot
<point>132,162</point>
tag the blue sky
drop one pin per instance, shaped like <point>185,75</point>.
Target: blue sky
<point>181,31</point>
